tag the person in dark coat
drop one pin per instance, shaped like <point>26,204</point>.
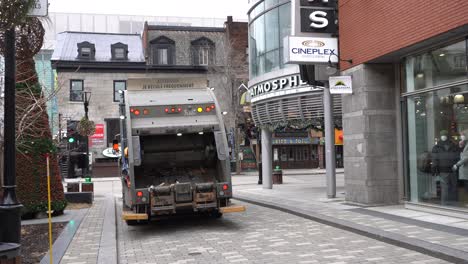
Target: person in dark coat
<point>445,154</point>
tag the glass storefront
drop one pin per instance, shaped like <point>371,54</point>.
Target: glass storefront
<point>270,23</point>
<point>437,125</point>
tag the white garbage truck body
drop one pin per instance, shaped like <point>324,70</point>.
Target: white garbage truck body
<point>176,156</point>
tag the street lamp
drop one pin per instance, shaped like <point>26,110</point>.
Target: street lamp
<point>87,98</point>
<point>10,207</point>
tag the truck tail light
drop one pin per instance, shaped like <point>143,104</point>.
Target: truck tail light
<point>212,106</point>
<point>140,194</point>
<point>208,109</point>
<point>166,110</point>
<point>132,110</point>
<point>225,187</point>
<point>145,111</point>
<point>136,112</point>
<point>179,109</point>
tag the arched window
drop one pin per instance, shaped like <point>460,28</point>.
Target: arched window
<point>162,51</point>
<point>203,51</point>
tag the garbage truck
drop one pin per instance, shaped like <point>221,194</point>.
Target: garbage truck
<point>175,156</point>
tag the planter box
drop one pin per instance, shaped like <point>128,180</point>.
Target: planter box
<point>79,197</point>
<point>87,187</point>
<point>73,187</point>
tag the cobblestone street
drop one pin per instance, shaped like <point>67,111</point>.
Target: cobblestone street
<point>259,235</point>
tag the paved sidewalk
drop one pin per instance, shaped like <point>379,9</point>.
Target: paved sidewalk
<point>304,195</point>
<point>95,241</point>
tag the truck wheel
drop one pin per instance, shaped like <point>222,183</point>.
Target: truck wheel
<point>131,222</point>
<point>216,215</point>
<point>136,222</point>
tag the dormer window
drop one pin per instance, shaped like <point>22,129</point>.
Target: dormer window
<point>162,51</point>
<point>203,51</point>
<point>119,51</point>
<point>86,50</point>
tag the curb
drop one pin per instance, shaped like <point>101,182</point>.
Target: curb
<point>62,242</point>
<point>108,244</point>
<point>434,250</point>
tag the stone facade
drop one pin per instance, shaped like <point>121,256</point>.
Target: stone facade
<point>227,69</point>
<point>102,105</point>
<point>99,76</point>
<point>369,125</point>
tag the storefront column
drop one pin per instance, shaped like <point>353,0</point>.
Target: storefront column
<point>267,159</point>
<point>369,125</point>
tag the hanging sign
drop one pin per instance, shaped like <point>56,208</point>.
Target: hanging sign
<point>341,85</point>
<point>310,50</point>
<point>98,137</point>
<point>39,9</point>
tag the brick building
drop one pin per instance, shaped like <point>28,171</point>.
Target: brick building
<point>410,82</point>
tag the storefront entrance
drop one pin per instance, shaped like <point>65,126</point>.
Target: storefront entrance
<point>295,156</point>
<point>437,126</point>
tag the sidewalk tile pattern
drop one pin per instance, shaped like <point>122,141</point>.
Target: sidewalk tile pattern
<point>84,247</point>
<point>260,235</point>
<point>413,231</point>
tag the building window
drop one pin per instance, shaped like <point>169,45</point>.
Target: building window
<point>162,56</point>
<point>119,86</point>
<point>203,55</point>
<point>436,67</point>
<point>86,50</point>
<point>270,24</point>
<point>112,129</point>
<point>119,51</point>
<point>76,90</point>
<point>203,51</point>
<point>163,51</point>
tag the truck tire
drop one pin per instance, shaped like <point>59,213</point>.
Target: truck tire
<point>216,214</point>
<point>131,222</point>
<point>136,222</point>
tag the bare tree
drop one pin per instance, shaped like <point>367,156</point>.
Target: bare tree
<point>232,67</point>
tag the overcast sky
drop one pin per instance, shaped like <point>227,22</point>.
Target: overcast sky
<point>184,8</point>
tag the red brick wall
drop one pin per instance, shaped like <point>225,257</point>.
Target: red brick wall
<point>372,28</point>
<point>237,37</point>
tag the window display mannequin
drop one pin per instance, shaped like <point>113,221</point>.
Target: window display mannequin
<point>462,164</point>
<point>445,155</point>
<point>462,143</point>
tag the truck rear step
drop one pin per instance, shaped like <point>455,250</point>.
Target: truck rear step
<point>129,216</point>
<point>232,209</point>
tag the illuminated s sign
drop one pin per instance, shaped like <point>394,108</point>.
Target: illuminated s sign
<point>318,20</point>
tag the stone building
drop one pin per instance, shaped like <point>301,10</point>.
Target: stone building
<point>102,63</point>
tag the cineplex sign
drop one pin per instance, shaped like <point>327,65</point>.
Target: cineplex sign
<point>279,87</point>
<point>303,50</point>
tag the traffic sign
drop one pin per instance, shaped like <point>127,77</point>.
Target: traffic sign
<point>39,9</point>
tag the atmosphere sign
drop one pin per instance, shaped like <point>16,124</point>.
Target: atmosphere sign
<point>310,50</point>
<point>287,85</point>
<point>341,85</point>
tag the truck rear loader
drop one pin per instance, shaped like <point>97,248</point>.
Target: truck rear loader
<point>176,157</point>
